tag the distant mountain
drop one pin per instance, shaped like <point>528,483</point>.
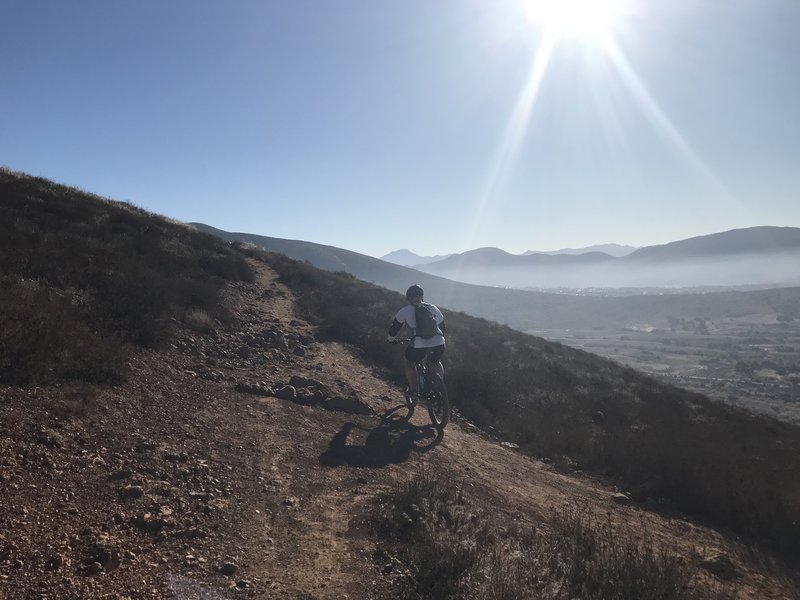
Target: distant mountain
<point>526,310</point>
<point>766,256</point>
<point>407,258</point>
<point>753,240</point>
<point>497,258</point>
<point>610,249</point>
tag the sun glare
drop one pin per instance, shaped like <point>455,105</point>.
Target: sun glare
<point>584,19</point>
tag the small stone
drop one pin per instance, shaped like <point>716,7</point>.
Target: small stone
<point>287,392</point>
<point>54,562</point>
<point>122,474</point>
<point>131,492</point>
<point>721,566</point>
<point>621,498</point>
<point>145,446</point>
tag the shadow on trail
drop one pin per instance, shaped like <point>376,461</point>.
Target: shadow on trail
<point>391,442</point>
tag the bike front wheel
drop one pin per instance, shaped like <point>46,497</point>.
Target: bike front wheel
<point>438,404</point>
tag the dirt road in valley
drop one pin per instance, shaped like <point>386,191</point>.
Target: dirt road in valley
<point>194,468</point>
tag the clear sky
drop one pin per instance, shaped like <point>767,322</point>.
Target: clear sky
<point>434,125</point>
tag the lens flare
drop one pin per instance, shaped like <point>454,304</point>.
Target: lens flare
<point>577,18</point>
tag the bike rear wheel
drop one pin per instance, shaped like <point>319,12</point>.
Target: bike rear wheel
<point>438,403</point>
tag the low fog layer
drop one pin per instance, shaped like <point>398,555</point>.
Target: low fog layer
<point>779,269</point>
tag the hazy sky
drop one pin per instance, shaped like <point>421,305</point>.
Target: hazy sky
<point>433,125</point>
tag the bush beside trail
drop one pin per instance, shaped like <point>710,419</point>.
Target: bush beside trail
<point>458,548</point>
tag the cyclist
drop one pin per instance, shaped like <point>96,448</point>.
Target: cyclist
<point>420,347</point>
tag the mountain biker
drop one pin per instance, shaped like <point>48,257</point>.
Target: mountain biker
<point>419,348</point>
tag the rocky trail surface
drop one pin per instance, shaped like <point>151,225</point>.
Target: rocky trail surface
<point>244,462</point>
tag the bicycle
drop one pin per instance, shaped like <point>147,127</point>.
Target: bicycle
<point>432,390</point>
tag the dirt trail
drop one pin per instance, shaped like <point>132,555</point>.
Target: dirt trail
<point>382,453</point>
<point>193,467</point>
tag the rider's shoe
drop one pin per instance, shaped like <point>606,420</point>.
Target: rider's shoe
<point>412,398</point>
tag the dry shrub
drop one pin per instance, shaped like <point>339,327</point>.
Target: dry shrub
<point>42,339</point>
<point>76,400</point>
<point>107,273</point>
<point>199,320</point>
<point>458,547</point>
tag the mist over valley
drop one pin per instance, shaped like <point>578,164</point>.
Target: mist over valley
<point>760,256</point>
<point>730,337</point>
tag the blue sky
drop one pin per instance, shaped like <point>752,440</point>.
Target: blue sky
<point>433,125</point>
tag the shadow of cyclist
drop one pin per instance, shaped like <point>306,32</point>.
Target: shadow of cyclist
<point>391,442</point>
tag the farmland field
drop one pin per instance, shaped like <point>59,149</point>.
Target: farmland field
<point>752,363</point>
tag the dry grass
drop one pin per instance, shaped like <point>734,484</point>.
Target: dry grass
<point>199,320</point>
<point>457,547</point>
<point>81,277</point>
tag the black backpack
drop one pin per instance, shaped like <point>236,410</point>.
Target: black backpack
<point>426,322</point>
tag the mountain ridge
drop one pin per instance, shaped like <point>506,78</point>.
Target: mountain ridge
<point>765,255</point>
<point>764,238</point>
<point>610,249</point>
<point>406,258</point>
<point>523,310</point>
<point>747,240</point>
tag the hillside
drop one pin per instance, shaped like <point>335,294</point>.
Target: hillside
<point>752,240</point>
<point>203,476</point>
<point>256,447</point>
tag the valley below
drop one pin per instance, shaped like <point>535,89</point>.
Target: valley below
<point>751,362</point>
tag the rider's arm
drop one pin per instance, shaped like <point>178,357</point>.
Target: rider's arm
<point>396,326</point>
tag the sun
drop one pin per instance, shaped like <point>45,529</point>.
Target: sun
<point>583,19</point>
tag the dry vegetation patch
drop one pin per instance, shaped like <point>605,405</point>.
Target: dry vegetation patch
<point>81,276</point>
<point>459,546</point>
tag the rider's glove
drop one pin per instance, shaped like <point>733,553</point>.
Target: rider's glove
<point>390,338</point>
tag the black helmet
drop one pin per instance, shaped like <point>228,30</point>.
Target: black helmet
<point>414,291</point>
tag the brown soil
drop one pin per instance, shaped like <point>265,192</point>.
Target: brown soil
<point>192,480</point>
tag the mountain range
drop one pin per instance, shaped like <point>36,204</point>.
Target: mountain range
<point>530,310</point>
<point>610,249</point>
<point>768,256</point>
<point>407,258</point>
